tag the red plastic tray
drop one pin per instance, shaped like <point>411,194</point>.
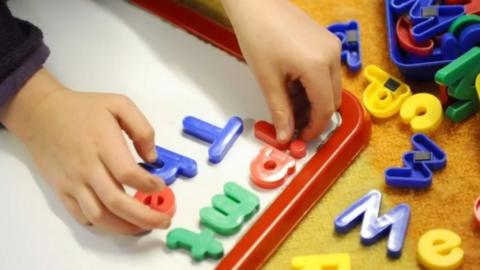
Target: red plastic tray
<point>195,23</point>
<point>310,184</point>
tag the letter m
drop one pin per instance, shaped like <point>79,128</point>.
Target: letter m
<point>366,209</point>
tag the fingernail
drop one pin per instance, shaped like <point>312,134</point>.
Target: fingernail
<point>283,131</point>
<point>282,135</point>
<point>290,124</point>
<point>165,224</point>
<point>155,183</point>
<point>152,156</point>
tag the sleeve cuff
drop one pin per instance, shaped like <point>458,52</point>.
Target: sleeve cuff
<point>15,81</point>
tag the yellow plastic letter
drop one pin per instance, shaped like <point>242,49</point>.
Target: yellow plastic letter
<point>385,94</point>
<point>423,112</point>
<point>440,250</point>
<point>339,261</point>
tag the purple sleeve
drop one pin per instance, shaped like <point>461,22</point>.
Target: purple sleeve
<point>22,53</point>
<point>11,84</point>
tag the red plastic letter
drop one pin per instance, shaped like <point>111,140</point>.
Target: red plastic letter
<point>162,201</point>
<point>298,149</point>
<point>406,41</point>
<point>265,132</point>
<point>270,168</point>
<point>443,96</point>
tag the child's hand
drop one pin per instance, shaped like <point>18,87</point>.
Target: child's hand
<point>283,46</point>
<point>77,142</point>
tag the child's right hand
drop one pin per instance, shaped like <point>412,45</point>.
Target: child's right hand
<point>77,143</point>
<point>287,50</point>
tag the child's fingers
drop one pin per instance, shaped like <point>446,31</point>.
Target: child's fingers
<point>124,206</point>
<point>298,96</point>
<point>101,217</point>
<point>318,86</point>
<point>336,69</point>
<point>302,111</point>
<point>278,102</point>
<point>119,162</point>
<point>136,126</point>
<point>74,209</point>
<point>336,73</point>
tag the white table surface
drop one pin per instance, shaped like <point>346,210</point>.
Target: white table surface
<point>113,46</point>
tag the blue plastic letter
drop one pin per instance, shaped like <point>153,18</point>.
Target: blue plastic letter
<point>401,6</point>
<point>349,35</point>
<point>373,228</point>
<point>431,20</point>
<point>170,165</point>
<point>469,38</point>
<point>220,139</point>
<point>417,172</point>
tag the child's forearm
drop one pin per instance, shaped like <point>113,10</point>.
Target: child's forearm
<point>16,112</point>
<point>238,12</point>
<point>235,7</point>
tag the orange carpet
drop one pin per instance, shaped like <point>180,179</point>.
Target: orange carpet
<point>447,204</point>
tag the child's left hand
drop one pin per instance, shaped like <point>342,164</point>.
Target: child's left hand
<point>283,46</point>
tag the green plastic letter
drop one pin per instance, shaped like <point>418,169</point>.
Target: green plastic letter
<point>231,210</point>
<point>200,245</point>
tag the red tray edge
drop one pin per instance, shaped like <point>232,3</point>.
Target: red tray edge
<point>195,23</point>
